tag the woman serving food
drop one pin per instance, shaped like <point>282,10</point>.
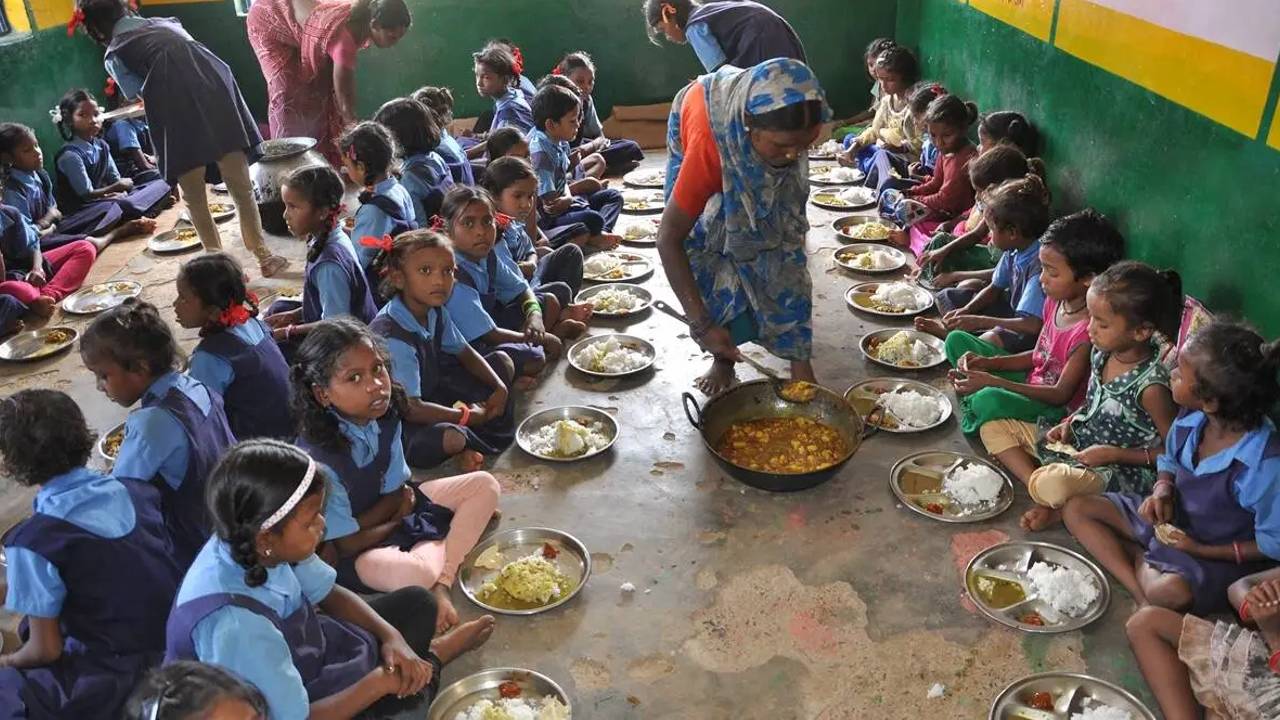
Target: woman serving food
<point>732,235</point>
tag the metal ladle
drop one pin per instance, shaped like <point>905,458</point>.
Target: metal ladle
<point>800,392</point>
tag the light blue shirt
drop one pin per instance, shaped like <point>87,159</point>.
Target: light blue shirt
<point>512,110</point>
<point>215,371</point>
<point>35,188</point>
<point>527,88</point>
<point>404,357</point>
<point>465,304</point>
<point>417,187</point>
<point>519,244</point>
<point>27,237</point>
<point>705,45</point>
<point>155,443</point>
<point>1030,302</point>
<point>85,498</point>
<point>550,160</point>
<point>1257,489</point>
<point>371,221</point>
<point>340,521</point>
<point>124,134</point>
<point>245,642</point>
<point>331,280</point>
<point>128,82</point>
<point>77,173</point>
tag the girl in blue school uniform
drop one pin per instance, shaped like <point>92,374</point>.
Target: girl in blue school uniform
<point>188,690</point>
<point>457,402</point>
<point>130,140</point>
<point>28,188</point>
<point>619,155</point>
<point>423,172</point>
<point>335,284</point>
<point>384,532</point>
<point>439,100</point>
<point>1218,482</point>
<point>260,603</point>
<point>178,432</point>
<point>368,152</point>
<point>92,570</point>
<point>497,79</point>
<point>236,356</point>
<point>86,174</point>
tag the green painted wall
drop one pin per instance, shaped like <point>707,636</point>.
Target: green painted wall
<point>1188,193</point>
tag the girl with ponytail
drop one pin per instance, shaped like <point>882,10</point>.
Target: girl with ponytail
<point>249,602</point>
<point>947,192</point>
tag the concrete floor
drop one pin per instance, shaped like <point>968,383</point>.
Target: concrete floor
<point>834,603</point>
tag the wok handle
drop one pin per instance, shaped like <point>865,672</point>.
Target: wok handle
<point>670,311</point>
<point>692,410</point>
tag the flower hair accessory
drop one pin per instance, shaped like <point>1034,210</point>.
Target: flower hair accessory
<point>77,19</point>
<point>556,70</point>
<point>55,115</point>
<point>235,314</point>
<point>503,220</point>
<point>110,89</point>
<point>437,223</point>
<point>518,65</point>
<point>294,499</point>
<point>335,213</point>
<point>383,243</point>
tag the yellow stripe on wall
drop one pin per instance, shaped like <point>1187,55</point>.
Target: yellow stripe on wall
<point>51,13</point>
<point>1034,17</point>
<point>1273,137</point>
<point>16,12</point>
<point>1226,85</point>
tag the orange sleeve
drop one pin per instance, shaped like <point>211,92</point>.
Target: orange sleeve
<point>700,173</point>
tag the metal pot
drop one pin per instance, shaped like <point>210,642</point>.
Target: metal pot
<point>278,159</point>
<point>757,399</point>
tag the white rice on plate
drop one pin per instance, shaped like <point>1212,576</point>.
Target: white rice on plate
<point>610,356</point>
<point>913,409</point>
<point>569,438</point>
<point>545,708</point>
<point>614,300</point>
<point>1099,711</point>
<point>857,195</point>
<point>873,260</point>
<point>973,484</point>
<point>1067,591</point>
<point>601,264</point>
<point>830,147</point>
<point>901,349</point>
<point>897,294</point>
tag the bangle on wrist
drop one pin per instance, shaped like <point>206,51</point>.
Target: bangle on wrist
<point>1274,662</point>
<point>1235,546</point>
<point>466,415</point>
<point>1244,611</point>
<point>1147,451</point>
<point>288,331</point>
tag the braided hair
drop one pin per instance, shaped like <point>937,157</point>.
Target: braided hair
<point>1021,204</point>
<point>67,109</point>
<point>218,280</point>
<point>251,482</point>
<point>133,336</point>
<point>188,690</point>
<point>404,245</point>
<point>370,144</point>
<point>323,188</point>
<point>1237,368</point>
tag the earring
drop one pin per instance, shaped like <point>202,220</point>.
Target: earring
<point>267,552</point>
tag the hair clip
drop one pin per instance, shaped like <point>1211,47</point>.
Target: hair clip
<point>518,65</point>
<point>56,115</point>
<point>383,243</point>
<point>437,222</point>
<point>556,70</point>
<point>77,19</point>
<point>236,314</point>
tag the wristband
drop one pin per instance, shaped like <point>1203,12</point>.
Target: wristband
<point>466,415</point>
<point>1244,611</point>
<point>1274,662</point>
<point>1172,487</point>
<point>530,307</point>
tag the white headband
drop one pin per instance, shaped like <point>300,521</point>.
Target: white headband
<point>294,499</point>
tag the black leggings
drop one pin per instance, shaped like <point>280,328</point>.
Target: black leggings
<point>412,611</point>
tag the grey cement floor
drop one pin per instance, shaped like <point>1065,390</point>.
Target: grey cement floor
<point>833,603</point>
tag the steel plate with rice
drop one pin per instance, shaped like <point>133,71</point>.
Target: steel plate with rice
<point>108,446</point>
<point>648,179</point>
<point>826,151</point>
<point>853,198</point>
<point>459,697</point>
<point>1037,587</point>
<point>1063,696</point>
<point>616,300</point>
<point>37,344</point>
<point>638,231</point>
<point>179,239</point>
<point>525,571</point>
<point>100,297</point>
<point>903,349</point>
<point>613,355</point>
<point>864,228</point>
<point>616,266</point>
<point>870,258</point>
<point>889,299</point>
<point>642,202</point>
<point>899,406</point>
<point>567,434</point>
<point>835,175</point>
<point>951,487</point>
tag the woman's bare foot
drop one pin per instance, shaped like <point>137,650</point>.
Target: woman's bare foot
<point>463,638</point>
<point>272,265</point>
<point>720,377</point>
<point>470,460</point>
<point>446,613</point>
<point>932,326</point>
<point>580,312</point>
<point>569,329</point>
<point>1040,517</point>
<point>42,306</point>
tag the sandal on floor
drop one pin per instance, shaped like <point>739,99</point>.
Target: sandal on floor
<point>272,264</point>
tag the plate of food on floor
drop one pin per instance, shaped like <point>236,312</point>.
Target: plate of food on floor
<point>642,201</point>
<point>834,175</point>
<point>649,179</point>
<point>951,487</point>
<point>612,355</point>
<point>616,267</point>
<point>100,297</point>
<point>870,258</point>
<point>1066,696</point>
<point>864,228</point>
<point>851,198</point>
<point>37,344</point>
<point>566,434</point>
<point>889,299</point>
<point>616,300</point>
<point>903,349</point>
<point>500,693</point>
<point>899,406</point>
<point>826,151</point>
<point>180,239</point>
<point>638,231</point>
<point>525,571</point>
<point>1037,587</point>
<point>220,211</point>
<point>289,293</point>
<point>108,446</point>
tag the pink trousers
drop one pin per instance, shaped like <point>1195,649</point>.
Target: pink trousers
<point>70,263</point>
<point>472,498</point>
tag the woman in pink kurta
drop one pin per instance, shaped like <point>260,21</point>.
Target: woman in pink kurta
<point>308,56</point>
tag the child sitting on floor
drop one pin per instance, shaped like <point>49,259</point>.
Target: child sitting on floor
<point>92,569</point>
<point>921,96</point>
<point>619,155</point>
<point>507,142</point>
<point>259,602</point>
<point>1214,514</point>
<point>423,173</point>
<point>36,277</point>
<point>387,533</point>
<point>457,403</point>
<point>1004,396</point>
<point>386,208</point>
<point>87,176</point>
<point>586,167</point>
<point>129,140</point>
<point>947,192</point>
<point>1016,214</point>
<point>335,283</point>
<point>28,188</point>
<point>1007,127</point>
<point>891,132</point>
<point>496,78</point>
<point>556,112</point>
<point>187,690</point>
<point>869,56</point>
<point>439,100</point>
<point>178,432</point>
<point>236,356</point>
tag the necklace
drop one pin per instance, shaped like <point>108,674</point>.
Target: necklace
<point>1072,311</point>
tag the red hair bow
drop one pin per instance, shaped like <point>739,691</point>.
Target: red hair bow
<point>437,223</point>
<point>556,70</point>
<point>110,89</point>
<point>383,243</point>
<point>236,314</point>
<point>519,57</point>
<point>503,220</point>
<point>77,19</point>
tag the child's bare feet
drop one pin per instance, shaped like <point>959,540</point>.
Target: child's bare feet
<point>569,329</point>
<point>446,613</point>
<point>606,241</point>
<point>1040,517</point>
<point>42,306</point>
<point>553,346</point>
<point>470,460</point>
<point>900,238</point>
<point>578,311</point>
<point>463,638</point>
<point>932,326</point>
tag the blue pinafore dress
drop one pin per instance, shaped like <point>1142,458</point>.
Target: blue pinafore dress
<point>257,401</point>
